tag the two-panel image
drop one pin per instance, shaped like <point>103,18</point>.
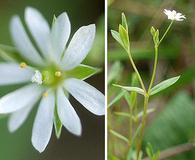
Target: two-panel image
<point>97,80</point>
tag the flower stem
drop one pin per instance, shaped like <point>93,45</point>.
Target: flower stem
<point>144,119</point>
<point>154,68</point>
<point>167,30</point>
<point>136,71</point>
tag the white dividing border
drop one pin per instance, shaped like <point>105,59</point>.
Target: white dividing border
<point>106,71</point>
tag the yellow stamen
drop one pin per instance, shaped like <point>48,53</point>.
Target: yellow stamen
<point>58,74</point>
<point>23,65</point>
<point>45,94</point>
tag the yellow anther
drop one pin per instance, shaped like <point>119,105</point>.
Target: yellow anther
<point>23,65</point>
<point>58,74</point>
<point>45,94</point>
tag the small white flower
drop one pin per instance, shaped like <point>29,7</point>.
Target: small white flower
<point>37,77</point>
<point>173,15</point>
<point>48,70</point>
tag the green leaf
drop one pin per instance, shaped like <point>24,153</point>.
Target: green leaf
<point>82,72</point>
<point>124,22</point>
<point>118,135</point>
<point>163,85</point>
<point>131,89</point>
<point>117,37</point>
<point>57,124</point>
<point>117,98</point>
<point>124,37</point>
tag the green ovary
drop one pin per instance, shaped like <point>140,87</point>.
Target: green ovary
<point>52,76</point>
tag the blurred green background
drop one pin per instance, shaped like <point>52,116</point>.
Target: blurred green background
<point>173,122</point>
<point>90,145</point>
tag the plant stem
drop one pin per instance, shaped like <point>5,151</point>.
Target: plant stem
<point>136,71</point>
<point>144,119</point>
<point>173,151</point>
<point>166,32</point>
<point>154,68</point>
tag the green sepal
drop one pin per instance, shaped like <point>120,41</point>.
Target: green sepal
<point>82,72</point>
<point>10,54</point>
<point>54,19</point>
<point>57,124</point>
<point>155,35</point>
<point>152,31</point>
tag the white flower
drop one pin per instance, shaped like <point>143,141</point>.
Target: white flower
<point>47,66</point>
<point>173,15</point>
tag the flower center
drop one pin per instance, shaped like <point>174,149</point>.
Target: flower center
<point>50,76</point>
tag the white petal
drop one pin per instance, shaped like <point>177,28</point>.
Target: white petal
<point>79,47</point>
<point>87,95</point>
<point>67,114</point>
<point>12,73</point>
<point>42,128</point>
<point>20,98</point>
<point>17,118</point>
<point>59,34</point>
<point>39,28</point>
<point>23,43</point>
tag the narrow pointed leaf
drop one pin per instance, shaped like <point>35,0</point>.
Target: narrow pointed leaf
<point>163,85</point>
<point>118,135</point>
<point>124,22</point>
<point>117,37</point>
<point>117,98</point>
<point>131,89</point>
<point>123,114</point>
<point>124,36</point>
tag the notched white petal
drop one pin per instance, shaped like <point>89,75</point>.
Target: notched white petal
<point>23,43</point>
<point>92,99</point>
<point>39,29</point>
<point>79,47</point>
<point>43,124</point>
<point>60,33</point>
<point>67,114</point>
<point>20,98</point>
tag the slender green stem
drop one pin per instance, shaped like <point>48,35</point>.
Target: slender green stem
<point>130,124</point>
<point>167,30</point>
<point>136,71</point>
<point>154,68</point>
<point>144,119</point>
